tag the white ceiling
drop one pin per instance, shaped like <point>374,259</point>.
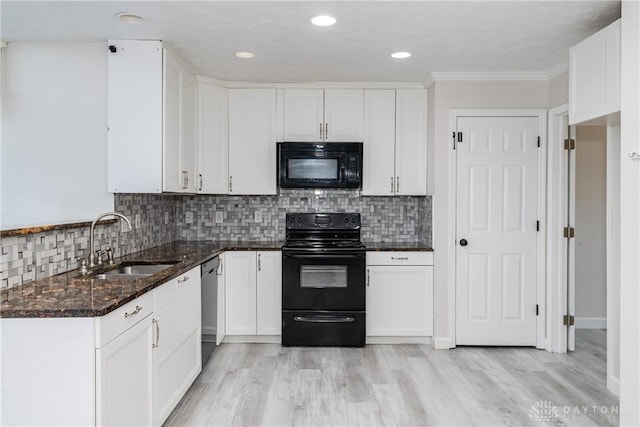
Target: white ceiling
<point>444,36</point>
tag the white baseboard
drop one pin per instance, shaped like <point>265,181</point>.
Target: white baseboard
<point>209,330</point>
<point>254,339</point>
<point>613,385</point>
<point>398,340</point>
<point>442,343</point>
<point>591,323</point>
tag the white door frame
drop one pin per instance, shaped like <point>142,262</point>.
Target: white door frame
<point>541,114</point>
<point>556,220</point>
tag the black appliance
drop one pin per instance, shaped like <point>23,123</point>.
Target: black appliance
<point>323,281</point>
<point>329,165</point>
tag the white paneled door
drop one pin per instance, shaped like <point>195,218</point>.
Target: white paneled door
<point>496,245</point>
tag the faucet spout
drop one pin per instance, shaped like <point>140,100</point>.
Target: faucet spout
<point>92,255</point>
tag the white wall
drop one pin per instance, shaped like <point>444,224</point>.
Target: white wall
<point>590,225</point>
<point>559,89</point>
<point>630,217</point>
<point>54,140</point>
<point>452,95</point>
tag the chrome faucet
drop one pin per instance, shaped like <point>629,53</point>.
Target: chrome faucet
<point>92,255</point>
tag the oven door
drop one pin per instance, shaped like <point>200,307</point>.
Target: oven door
<point>313,280</point>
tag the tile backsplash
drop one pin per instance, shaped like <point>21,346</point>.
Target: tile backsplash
<point>158,219</point>
<point>397,219</point>
<point>39,255</point>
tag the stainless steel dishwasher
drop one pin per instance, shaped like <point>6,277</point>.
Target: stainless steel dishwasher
<point>209,271</point>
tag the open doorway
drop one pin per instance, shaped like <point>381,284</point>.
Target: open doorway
<point>583,275</point>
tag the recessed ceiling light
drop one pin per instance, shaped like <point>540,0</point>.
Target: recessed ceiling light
<point>245,55</point>
<point>323,20</point>
<point>400,55</point>
<point>130,18</point>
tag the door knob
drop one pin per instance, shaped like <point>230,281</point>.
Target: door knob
<point>463,242</point>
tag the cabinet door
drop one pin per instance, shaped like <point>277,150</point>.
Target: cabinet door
<point>252,141</point>
<point>594,75</point>
<point>188,132</point>
<point>221,313</point>
<point>240,281</point>
<point>124,378</point>
<point>303,115</point>
<point>134,110</point>
<point>411,142</point>
<point>343,115</point>
<point>178,358</point>
<point>171,163</point>
<point>213,139</point>
<point>399,301</point>
<point>378,166</point>
<point>269,293</point>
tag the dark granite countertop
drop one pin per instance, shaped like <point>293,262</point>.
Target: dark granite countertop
<point>72,295</point>
<point>397,246</point>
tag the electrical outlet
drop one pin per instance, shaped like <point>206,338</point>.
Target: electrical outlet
<point>188,218</point>
<point>166,218</point>
<point>137,220</point>
<point>257,216</point>
<point>219,217</point>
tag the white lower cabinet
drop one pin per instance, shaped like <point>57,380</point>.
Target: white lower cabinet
<point>124,378</point>
<point>178,358</point>
<point>253,285</point>
<point>399,295</point>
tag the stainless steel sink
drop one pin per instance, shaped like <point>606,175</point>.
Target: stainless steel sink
<point>132,271</point>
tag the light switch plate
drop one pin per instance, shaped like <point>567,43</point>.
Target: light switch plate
<point>166,218</point>
<point>137,221</point>
<point>219,217</point>
<point>257,216</point>
<point>188,218</point>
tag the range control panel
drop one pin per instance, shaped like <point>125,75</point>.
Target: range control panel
<point>316,221</point>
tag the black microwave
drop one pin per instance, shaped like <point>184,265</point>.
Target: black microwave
<point>328,165</point>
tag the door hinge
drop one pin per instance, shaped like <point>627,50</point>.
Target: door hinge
<point>454,140</point>
<point>569,232</point>
<point>537,225</point>
<point>538,142</point>
<point>569,144</point>
<point>537,309</point>
<point>568,320</point>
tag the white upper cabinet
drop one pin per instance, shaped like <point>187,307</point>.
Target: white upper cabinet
<point>411,142</point>
<point>134,109</point>
<point>252,141</point>
<point>317,115</point>
<point>151,120</point>
<point>179,136</point>
<point>213,134</point>
<point>395,142</point>
<point>594,76</point>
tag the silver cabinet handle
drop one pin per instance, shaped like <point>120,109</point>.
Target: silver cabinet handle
<point>184,279</point>
<point>230,184</point>
<point>259,262</point>
<point>200,187</point>
<point>401,258</point>
<point>397,184</point>
<point>320,131</point>
<point>326,131</point>
<point>391,185</point>
<point>368,278</point>
<point>185,180</point>
<point>136,311</point>
<point>157,340</point>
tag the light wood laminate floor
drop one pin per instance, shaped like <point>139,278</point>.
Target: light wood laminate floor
<point>393,385</point>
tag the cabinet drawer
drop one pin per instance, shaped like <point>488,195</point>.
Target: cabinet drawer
<point>170,291</point>
<point>399,258</point>
<point>118,321</point>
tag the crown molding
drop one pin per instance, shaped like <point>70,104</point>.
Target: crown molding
<point>461,76</point>
<point>558,69</point>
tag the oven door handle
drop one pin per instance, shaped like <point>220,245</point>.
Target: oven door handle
<point>322,255</point>
<point>324,319</point>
